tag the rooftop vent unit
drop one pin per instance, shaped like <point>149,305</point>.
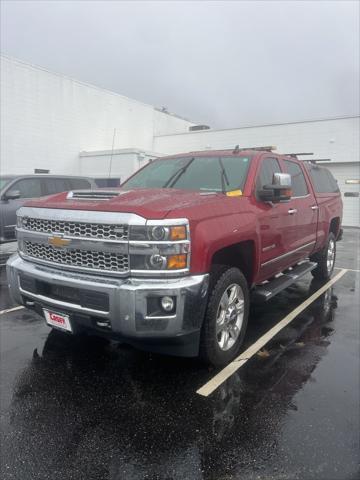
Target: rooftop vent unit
<point>196,128</point>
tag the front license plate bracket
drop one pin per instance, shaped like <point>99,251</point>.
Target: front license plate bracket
<point>58,320</point>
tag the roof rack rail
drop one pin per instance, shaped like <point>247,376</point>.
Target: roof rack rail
<point>260,149</point>
<point>317,160</point>
<point>310,160</point>
<point>297,154</point>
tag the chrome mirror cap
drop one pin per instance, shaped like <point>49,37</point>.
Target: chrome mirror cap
<point>282,179</point>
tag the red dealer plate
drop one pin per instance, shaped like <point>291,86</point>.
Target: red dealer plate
<point>58,320</point>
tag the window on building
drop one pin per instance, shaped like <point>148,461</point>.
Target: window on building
<point>298,182</point>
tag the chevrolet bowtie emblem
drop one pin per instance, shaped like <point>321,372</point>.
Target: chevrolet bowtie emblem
<point>58,242</point>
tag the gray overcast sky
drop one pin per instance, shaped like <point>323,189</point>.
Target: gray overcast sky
<point>222,63</point>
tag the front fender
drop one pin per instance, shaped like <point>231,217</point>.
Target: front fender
<point>214,234</point>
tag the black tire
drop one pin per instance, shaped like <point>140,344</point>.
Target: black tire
<point>323,271</point>
<point>223,278</point>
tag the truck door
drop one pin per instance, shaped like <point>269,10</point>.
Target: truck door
<point>277,223</point>
<point>305,211</point>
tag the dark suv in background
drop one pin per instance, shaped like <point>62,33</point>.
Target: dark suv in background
<point>15,190</point>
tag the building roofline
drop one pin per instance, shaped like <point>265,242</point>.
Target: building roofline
<point>261,125</point>
<point>118,151</point>
<point>90,85</point>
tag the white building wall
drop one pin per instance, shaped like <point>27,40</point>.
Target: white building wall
<point>120,163</point>
<point>47,119</point>
<point>337,139</point>
<point>344,172</point>
<point>165,124</point>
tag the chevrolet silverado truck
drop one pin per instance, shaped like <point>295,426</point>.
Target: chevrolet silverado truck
<point>170,261</point>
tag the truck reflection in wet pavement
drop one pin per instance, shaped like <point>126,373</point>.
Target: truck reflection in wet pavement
<point>87,408</point>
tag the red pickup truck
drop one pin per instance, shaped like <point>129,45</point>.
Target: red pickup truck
<point>170,261</point>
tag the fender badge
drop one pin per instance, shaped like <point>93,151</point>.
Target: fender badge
<point>58,242</point>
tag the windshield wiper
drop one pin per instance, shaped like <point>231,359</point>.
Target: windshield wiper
<point>224,177</point>
<point>175,177</point>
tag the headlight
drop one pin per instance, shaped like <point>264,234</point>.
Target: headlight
<point>159,262</point>
<point>159,246</point>
<point>158,233</point>
<point>21,222</point>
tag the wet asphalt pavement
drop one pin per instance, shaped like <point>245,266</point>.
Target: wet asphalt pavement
<point>87,409</point>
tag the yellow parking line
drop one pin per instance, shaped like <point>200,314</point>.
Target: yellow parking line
<point>8,310</point>
<point>226,372</point>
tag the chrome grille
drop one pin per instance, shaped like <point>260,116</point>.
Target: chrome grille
<point>76,229</point>
<point>96,260</point>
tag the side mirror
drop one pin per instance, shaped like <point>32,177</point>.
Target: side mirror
<point>278,191</point>
<point>12,195</point>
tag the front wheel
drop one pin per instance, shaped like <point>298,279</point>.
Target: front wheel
<point>226,317</point>
<point>325,259</point>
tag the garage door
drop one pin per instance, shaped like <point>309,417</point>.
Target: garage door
<point>348,177</point>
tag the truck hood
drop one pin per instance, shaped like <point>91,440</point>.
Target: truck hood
<point>148,203</point>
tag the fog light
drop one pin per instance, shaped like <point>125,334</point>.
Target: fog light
<point>167,304</point>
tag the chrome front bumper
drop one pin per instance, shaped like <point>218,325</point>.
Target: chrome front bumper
<point>127,314</point>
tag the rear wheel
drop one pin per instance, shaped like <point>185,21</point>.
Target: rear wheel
<point>226,317</point>
<point>325,259</point>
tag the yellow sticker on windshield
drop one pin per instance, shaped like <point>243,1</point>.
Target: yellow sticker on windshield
<point>234,193</point>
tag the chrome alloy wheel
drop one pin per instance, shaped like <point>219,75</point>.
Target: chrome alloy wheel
<point>230,316</point>
<point>330,259</point>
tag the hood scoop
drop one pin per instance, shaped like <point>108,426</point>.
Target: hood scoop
<point>93,194</point>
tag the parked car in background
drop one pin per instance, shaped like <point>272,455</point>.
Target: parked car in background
<point>106,182</point>
<point>15,190</point>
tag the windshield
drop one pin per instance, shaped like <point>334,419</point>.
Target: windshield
<point>4,181</point>
<point>214,174</point>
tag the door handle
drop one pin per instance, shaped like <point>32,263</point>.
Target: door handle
<point>314,207</point>
<point>291,211</point>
